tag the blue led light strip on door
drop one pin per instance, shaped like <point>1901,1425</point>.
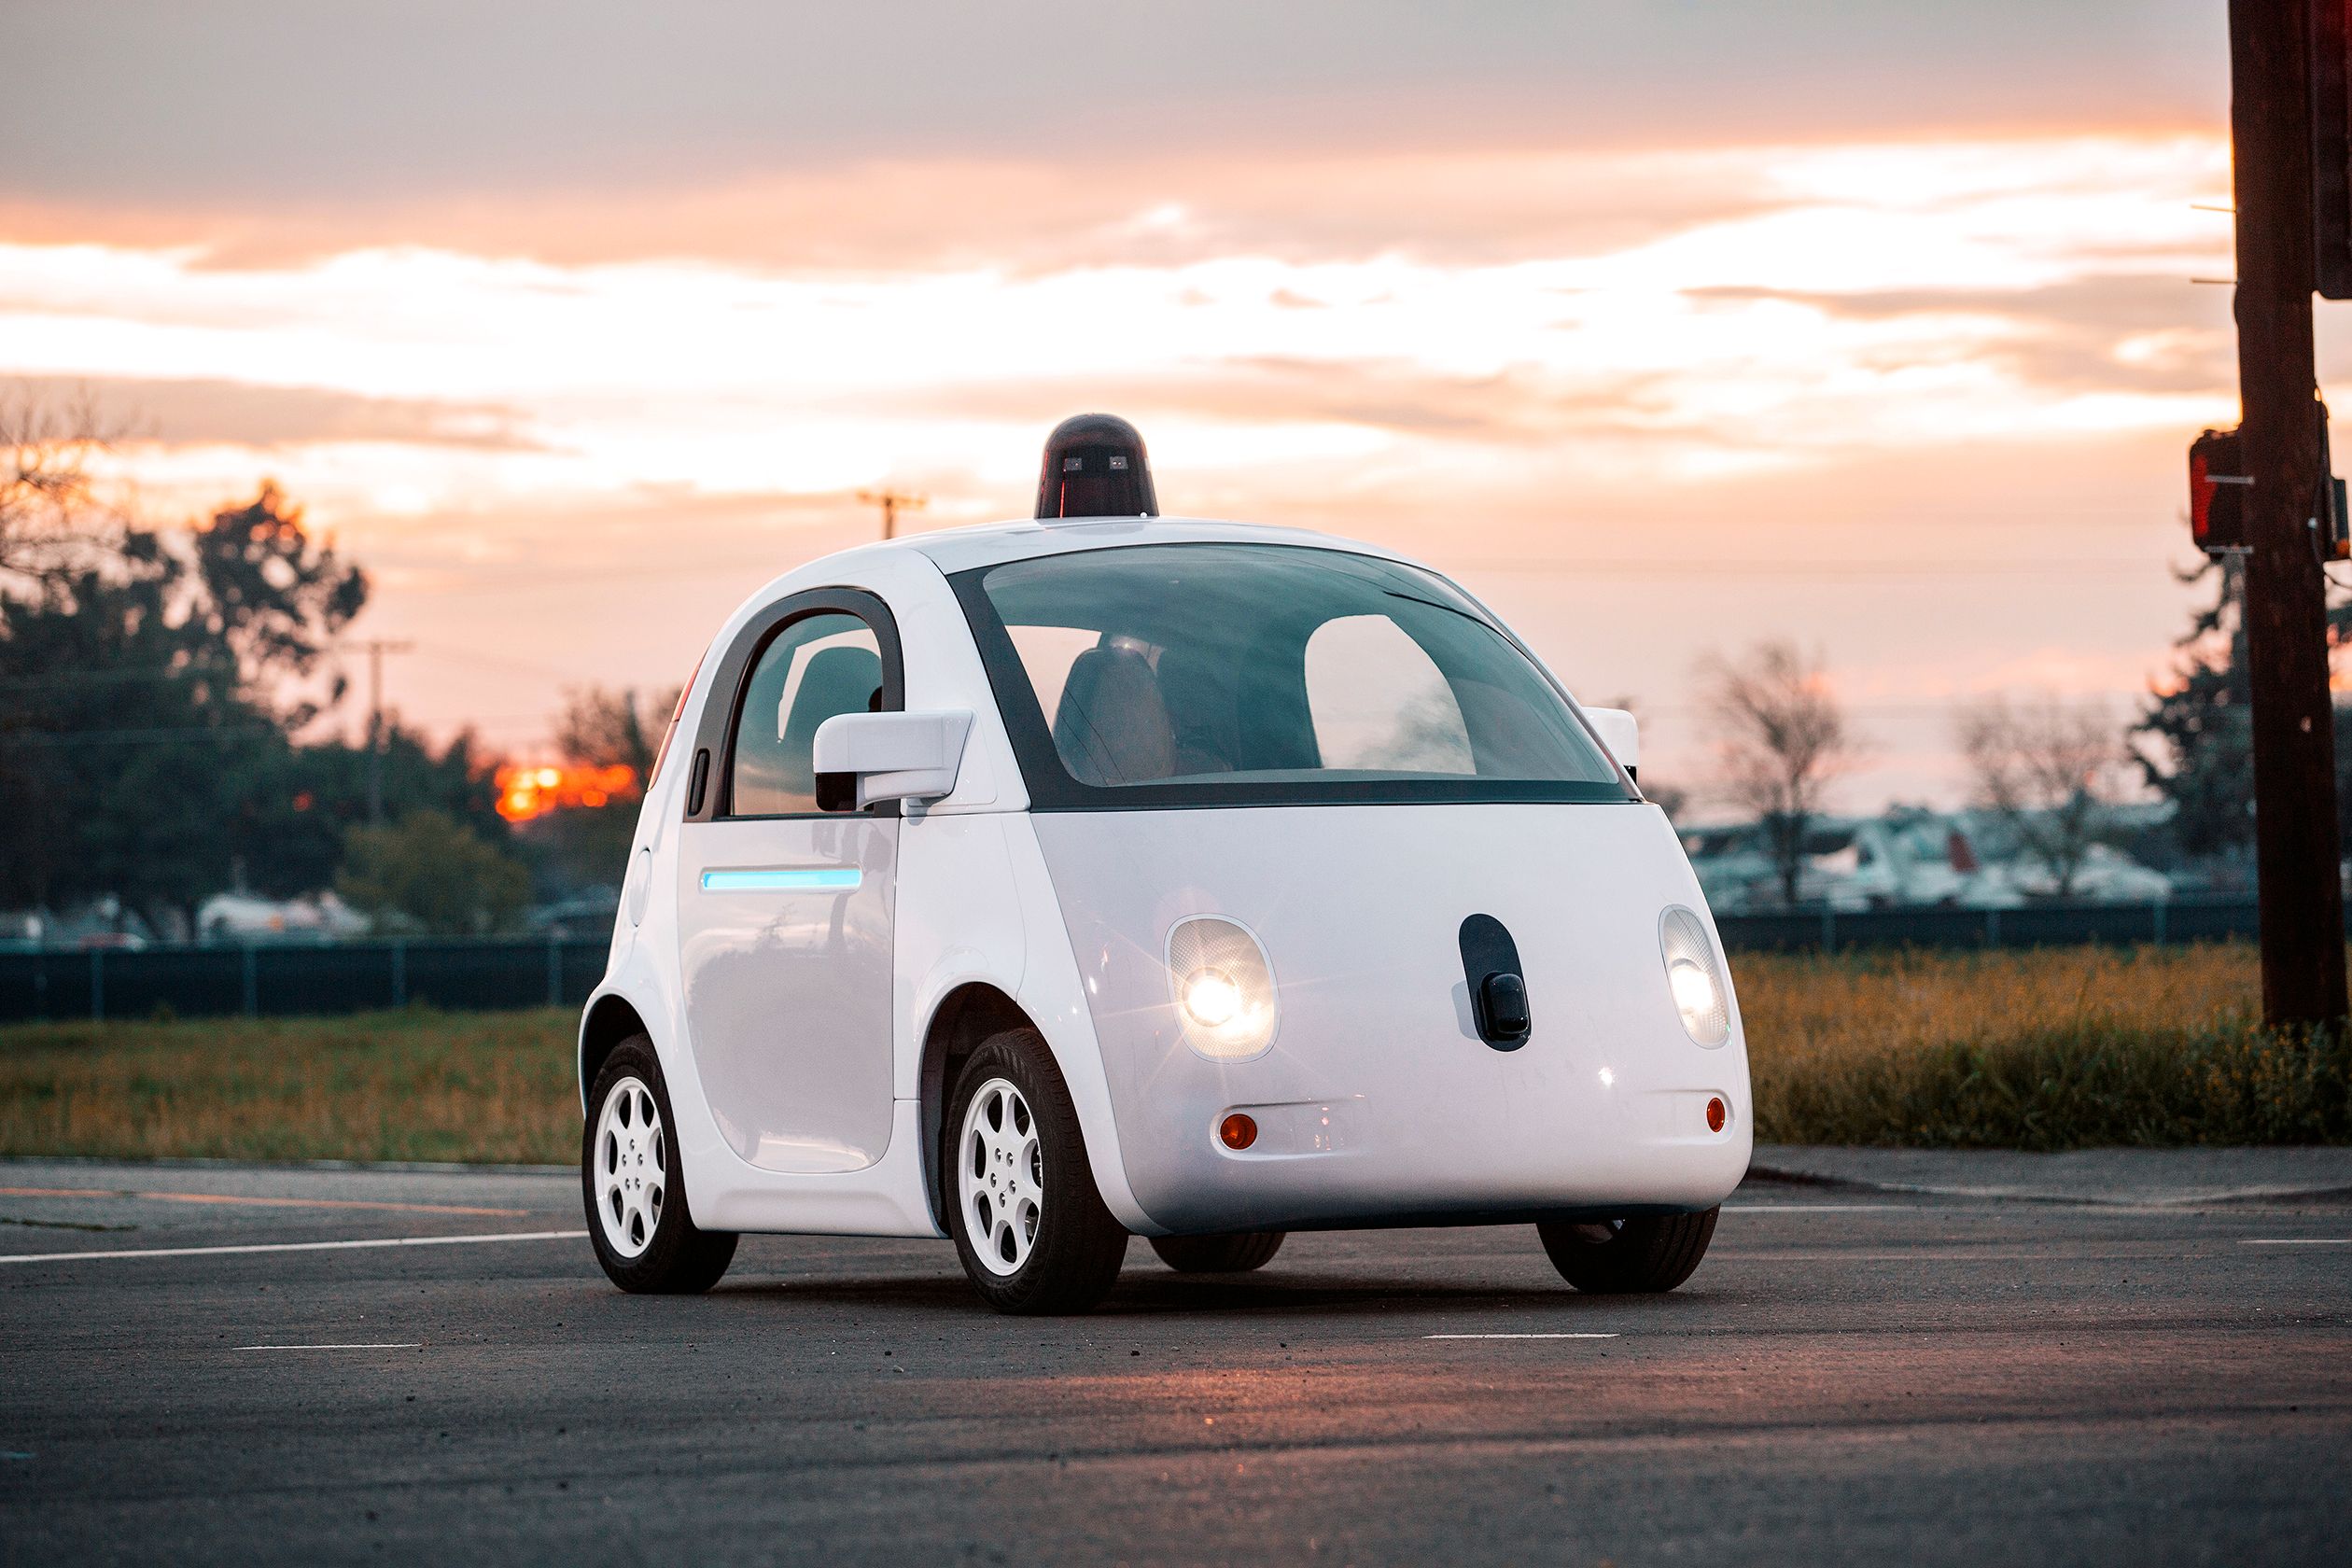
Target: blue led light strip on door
<point>842,880</point>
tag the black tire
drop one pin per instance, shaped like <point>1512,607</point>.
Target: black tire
<point>678,1259</point>
<point>1644,1257</point>
<point>1075,1246</point>
<point>1236,1253</point>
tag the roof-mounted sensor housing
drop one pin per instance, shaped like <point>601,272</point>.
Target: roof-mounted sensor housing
<point>1096,467</point>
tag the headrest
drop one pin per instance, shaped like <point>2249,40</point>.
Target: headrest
<point>1112,726</point>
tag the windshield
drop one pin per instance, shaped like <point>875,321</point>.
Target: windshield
<point>1179,674</point>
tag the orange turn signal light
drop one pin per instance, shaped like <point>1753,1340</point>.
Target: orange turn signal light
<point>1716,1114</point>
<point>1238,1130</point>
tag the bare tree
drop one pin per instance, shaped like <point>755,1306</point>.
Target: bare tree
<point>2050,769</point>
<point>1781,739</point>
<point>51,519</point>
<point>600,727</point>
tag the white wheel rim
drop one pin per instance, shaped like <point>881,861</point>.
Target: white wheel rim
<point>1001,1177</point>
<point>632,1169</point>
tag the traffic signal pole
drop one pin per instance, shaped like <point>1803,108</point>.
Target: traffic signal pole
<point>2297,853</point>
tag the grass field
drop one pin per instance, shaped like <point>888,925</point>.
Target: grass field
<point>2066,1048</point>
<point>408,1085</point>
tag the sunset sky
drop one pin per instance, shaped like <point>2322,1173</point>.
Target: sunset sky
<point>1664,327</point>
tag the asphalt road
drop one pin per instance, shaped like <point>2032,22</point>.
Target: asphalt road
<point>1846,1378</point>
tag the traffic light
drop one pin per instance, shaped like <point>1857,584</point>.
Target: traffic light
<point>2217,483</point>
<point>2216,493</point>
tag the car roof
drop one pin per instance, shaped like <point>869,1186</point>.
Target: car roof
<point>949,551</point>
<point>954,549</point>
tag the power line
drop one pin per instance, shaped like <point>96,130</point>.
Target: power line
<point>451,653</point>
<point>102,678</point>
<point>161,735</point>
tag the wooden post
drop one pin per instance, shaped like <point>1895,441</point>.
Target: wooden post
<point>2297,854</point>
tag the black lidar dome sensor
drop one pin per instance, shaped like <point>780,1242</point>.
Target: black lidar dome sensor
<point>1096,467</point>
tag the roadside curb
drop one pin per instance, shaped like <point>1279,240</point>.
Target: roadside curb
<point>2157,1193</point>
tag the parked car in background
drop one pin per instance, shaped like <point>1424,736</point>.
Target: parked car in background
<point>1908,857</point>
<point>239,917</point>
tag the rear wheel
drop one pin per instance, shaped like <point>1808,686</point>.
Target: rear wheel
<point>1645,1255</point>
<point>635,1187</point>
<point>1030,1226</point>
<point>1235,1253</point>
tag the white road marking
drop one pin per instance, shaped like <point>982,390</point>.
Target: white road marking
<point>2302,1242</point>
<point>297,1246</point>
<point>1810,1208</point>
<point>259,1203</point>
<point>408,1345</point>
<point>1520,1336</point>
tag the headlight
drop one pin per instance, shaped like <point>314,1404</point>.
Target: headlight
<point>1212,999</point>
<point>1694,977</point>
<point>1223,987</point>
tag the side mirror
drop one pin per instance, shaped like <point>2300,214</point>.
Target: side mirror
<point>863,758</point>
<point>1620,733</point>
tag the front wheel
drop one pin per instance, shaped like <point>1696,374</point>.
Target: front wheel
<point>1641,1256</point>
<point>1235,1253</point>
<point>634,1182</point>
<point>1030,1226</point>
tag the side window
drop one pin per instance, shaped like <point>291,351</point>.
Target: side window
<point>1378,701</point>
<point>816,668</point>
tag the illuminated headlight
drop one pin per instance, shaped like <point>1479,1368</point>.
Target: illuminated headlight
<point>1694,977</point>
<point>1223,987</point>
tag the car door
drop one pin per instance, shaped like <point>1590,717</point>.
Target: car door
<point>786,911</point>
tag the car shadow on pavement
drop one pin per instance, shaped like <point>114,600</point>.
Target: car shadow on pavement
<point>1145,1292</point>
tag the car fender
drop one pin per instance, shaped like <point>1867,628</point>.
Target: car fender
<point>1054,998</point>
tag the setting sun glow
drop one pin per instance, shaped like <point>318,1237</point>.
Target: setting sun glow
<point>526,793</point>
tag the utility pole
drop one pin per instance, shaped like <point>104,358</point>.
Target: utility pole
<point>377,648</point>
<point>2297,854</point>
<point>891,501</point>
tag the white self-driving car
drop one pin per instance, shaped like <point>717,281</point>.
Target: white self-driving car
<point>1041,884</point>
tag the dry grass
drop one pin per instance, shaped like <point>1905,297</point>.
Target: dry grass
<point>407,1086</point>
<point>2064,1048</point>
<point>2061,1048</point>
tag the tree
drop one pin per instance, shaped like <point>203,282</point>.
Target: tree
<point>123,742</point>
<point>271,595</point>
<point>1782,740</point>
<point>2202,756</point>
<point>604,728</point>
<point>430,870</point>
<point>2047,770</point>
<point>146,679</point>
<point>2200,751</point>
<point>292,824</point>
